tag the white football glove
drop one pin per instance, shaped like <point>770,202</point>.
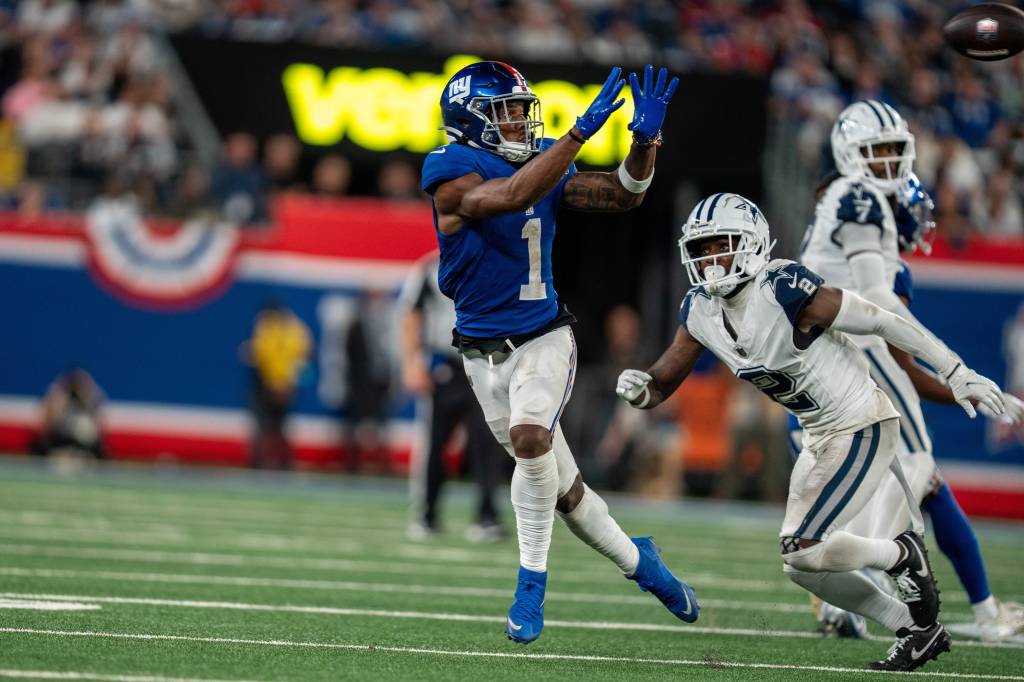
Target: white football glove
<point>967,384</point>
<point>633,384</point>
<point>1013,414</point>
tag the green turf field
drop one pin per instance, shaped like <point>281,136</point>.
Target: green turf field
<point>141,574</point>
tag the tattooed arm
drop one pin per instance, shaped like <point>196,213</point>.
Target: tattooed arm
<point>593,191</point>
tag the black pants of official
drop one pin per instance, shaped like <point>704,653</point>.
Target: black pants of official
<point>454,403</point>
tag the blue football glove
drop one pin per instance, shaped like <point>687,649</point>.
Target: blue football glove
<point>650,104</point>
<point>603,106</point>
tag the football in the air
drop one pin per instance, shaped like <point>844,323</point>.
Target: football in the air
<point>986,32</point>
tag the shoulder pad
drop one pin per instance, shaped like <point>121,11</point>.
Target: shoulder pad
<point>792,286</point>
<point>447,163</point>
<point>684,307</point>
<point>860,205</point>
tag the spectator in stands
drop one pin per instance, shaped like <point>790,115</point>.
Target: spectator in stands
<point>281,155</point>
<point>1004,213</point>
<point>33,200</point>
<point>71,416</point>
<point>46,16</point>
<point>238,183</point>
<point>278,352</point>
<point>191,198</point>
<point>759,462</point>
<point>399,181</point>
<point>369,381</point>
<point>331,176</point>
<point>976,114</point>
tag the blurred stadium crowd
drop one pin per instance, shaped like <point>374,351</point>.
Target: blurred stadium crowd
<point>86,95</point>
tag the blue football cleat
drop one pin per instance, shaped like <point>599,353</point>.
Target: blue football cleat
<point>526,617</point>
<point>652,575</point>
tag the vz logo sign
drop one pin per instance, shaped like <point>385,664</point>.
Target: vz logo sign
<point>458,90</point>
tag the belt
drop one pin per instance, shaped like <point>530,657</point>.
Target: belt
<point>498,349</point>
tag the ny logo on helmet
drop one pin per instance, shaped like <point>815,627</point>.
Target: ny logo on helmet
<point>458,90</point>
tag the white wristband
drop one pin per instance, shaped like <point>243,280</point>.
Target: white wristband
<point>632,184</point>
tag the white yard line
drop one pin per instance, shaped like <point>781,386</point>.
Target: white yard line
<point>576,576</point>
<point>374,648</point>
<point>262,516</point>
<point>427,559</point>
<point>452,617</point>
<point>39,605</point>
<point>99,677</point>
<point>404,588</point>
<point>347,540</point>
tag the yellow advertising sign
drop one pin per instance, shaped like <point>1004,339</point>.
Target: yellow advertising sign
<point>385,109</point>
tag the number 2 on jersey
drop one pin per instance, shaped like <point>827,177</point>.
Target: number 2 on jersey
<point>534,289</point>
<point>779,387</point>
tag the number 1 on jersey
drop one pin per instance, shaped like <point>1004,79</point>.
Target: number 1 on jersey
<point>534,289</point>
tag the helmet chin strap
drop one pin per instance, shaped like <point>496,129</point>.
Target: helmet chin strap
<point>712,275</point>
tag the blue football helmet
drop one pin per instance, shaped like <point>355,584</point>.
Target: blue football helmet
<point>915,224</point>
<point>474,107</point>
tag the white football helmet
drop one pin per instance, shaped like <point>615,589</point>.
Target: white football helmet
<point>860,128</point>
<point>739,219</point>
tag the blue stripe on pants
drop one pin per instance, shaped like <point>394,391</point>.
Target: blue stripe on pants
<point>876,431</point>
<point>831,486</point>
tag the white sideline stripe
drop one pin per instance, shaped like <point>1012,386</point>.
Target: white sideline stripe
<point>355,586</point>
<point>373,648</point>
<point>700,580</point>
<point>37,605</point>
<point>441,560</point>
<point>301,530</point>
<point>100,677</point>
<point>104,523</point>
<point>696,579</point>
<point>459,617</point>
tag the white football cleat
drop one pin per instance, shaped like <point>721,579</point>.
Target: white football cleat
<point>1007,623</point>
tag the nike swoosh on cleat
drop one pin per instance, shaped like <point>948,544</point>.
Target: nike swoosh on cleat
<point>915,654</point>
<point>923,571</point>
<point>689,606</point>
<point>512,625</point>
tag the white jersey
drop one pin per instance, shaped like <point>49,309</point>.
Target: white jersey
<point>848,200</point>
<point>820,376</point>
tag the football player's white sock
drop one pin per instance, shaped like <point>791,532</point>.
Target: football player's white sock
<point>852,591</point>
<point>591,522</point>
<point>534,493</point>
<point>842,551</point>
<point>987,609</point>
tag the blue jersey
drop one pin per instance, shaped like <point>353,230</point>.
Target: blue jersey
<point>497,270</point>
<point>903,284</point>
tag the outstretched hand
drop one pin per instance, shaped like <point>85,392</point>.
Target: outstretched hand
<point>968,385</point>
<point>603,106</point>
<point>650,103</point>
<point>1013,413</point>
